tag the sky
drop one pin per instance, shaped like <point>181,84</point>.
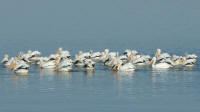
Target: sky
<point>100,23</point>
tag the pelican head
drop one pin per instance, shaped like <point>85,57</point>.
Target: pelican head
<point>116,65</point>
<point>106,51</point>
<point>79,53</point>
<point>29,52</point>
<point>6,56</point>
<point>91,51</point>
<point>132,57</point>
<point>158,51</point>
<point>152,60</point>
<point>59,50</point>
<point>20,54</point>
<point>183,59</point>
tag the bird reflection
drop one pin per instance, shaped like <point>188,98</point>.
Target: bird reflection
<point>159,75</point>
<point>63,75</point>
<point>18,78</point>
<point>89,72</point>
<point>49,73</point>
<point>122,75</point>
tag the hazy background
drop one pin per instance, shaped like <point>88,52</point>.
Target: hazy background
<point>99,24</point>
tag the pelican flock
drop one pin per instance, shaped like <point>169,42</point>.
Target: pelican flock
<point>62,61</point>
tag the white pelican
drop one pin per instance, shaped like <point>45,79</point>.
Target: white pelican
<point>86,55</point>
<point>64,66</point>
<point>25,57</point>
<point>44,59</point>
<point>129,53</point>
<point>53,56</point>
<point>79,61</point>
<point>175,58</point>
<point>104,56</point>
<point>123,67</point>
<point>124,58</point>
<point>110,56</point>
<point>65,55</point>
<point>188,62</point>
<point>191,56</point>
<point>178,60</point>
<point>5,61</point>
<point>81,57</point>
<point>160,56</point>
<point>96,56</point>
<point>141,60</point>
<point>59,50</point>
<point>7,65</point>
<point>35,56</point>
<point>160,65</point>
<point>89,65</point>
<point>49,64</point>
<point>19,67</point>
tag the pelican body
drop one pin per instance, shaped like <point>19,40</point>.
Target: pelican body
<point>160,65</point>
<point>124,67</point>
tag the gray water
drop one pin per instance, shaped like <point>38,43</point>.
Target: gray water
<point>46,25</point>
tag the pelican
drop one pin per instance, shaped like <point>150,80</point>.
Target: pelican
<point>86,55</point>
<point>124,58</point>
<point>110,56</point>
<point>129,53</point>
<point>178,60</point>
<point>34,56</point>
<point>89,65</point>
<point>19,67</point>
<point>141,60</point>
<point>104,56</point>
<point>188,62</point>
<point>43,59</point>
<point>123,67</point>
<point>53,56</point>
<point>79,61</point>
<point>107,56</point>
<point>81,57</point>
<point>160,65</point>
<point>64,66</point>
<point>160,56</point>
<point>175,58</point>
<point>191,56</point>
<point>25,57</point>
<point>49,64</point>
<point>5,61</point>
<point>59,50</point>
<point>96,56</point>
<point>65,55</point>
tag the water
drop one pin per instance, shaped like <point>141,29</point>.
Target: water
<point>46,25</point>
<point>173,90</point>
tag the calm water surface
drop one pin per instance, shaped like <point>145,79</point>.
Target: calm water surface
<point>102,91</point>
